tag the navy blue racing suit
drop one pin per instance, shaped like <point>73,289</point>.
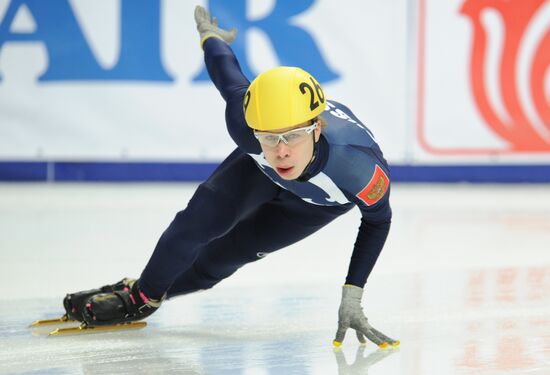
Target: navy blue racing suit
<point>244,210</point>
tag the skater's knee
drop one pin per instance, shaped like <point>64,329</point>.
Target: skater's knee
<point>208,215</point>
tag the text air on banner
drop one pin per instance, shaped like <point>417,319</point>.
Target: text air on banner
<point>483,77</point>
<point>71,57</point>
<point>105,81</point>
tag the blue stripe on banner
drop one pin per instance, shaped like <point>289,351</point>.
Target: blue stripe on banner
<point>195,172</point>
<point>133,172</point>
<point>23,171</point>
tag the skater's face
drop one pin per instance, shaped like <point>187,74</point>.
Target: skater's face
<point>290,154</point>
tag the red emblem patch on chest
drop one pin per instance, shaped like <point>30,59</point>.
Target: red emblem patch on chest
<point>376,188</point>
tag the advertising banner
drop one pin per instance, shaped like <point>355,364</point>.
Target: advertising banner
<point>125,79</point>
<point>483,81</point>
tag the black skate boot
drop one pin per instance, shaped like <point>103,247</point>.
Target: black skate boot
<point>74,302</point>
<point>119,306</point>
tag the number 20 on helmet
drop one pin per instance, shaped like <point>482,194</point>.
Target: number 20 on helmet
<point>282,97</point>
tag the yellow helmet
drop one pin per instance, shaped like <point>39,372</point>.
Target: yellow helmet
<point>282,97</point>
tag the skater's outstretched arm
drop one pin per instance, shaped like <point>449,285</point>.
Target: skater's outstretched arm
<point>226,74</point>
<point>221,63</point>
<point>367,184</point>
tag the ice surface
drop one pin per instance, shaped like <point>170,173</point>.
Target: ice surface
<point>463,282</point>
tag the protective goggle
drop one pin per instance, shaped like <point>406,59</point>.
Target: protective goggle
<point>290,138</point>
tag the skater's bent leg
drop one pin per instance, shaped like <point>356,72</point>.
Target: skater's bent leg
<point>272,227</point>
<point>235,189</point>
<point>190,230</point>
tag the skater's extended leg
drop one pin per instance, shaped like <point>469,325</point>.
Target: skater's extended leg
<point>237,188</point>
<point>273,226</point>
<point>233,191</point>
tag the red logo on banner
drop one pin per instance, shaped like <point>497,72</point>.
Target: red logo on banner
<point>519,131</point>
<point>376,188</point>
<point>523,118</point>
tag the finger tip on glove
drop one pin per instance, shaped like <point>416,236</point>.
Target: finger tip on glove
<point>386,345</point>
<point>199,11</point>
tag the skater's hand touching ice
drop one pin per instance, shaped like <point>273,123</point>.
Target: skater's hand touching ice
<point>350,315</point>
<point>208,27</point>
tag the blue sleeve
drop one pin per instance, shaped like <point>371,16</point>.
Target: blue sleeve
<point>367,184</point>
<point>226,74</point>
<point>369,243</point>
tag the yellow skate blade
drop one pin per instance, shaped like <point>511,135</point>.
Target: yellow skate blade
<point>44,322</point>
<point>83,328</point>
